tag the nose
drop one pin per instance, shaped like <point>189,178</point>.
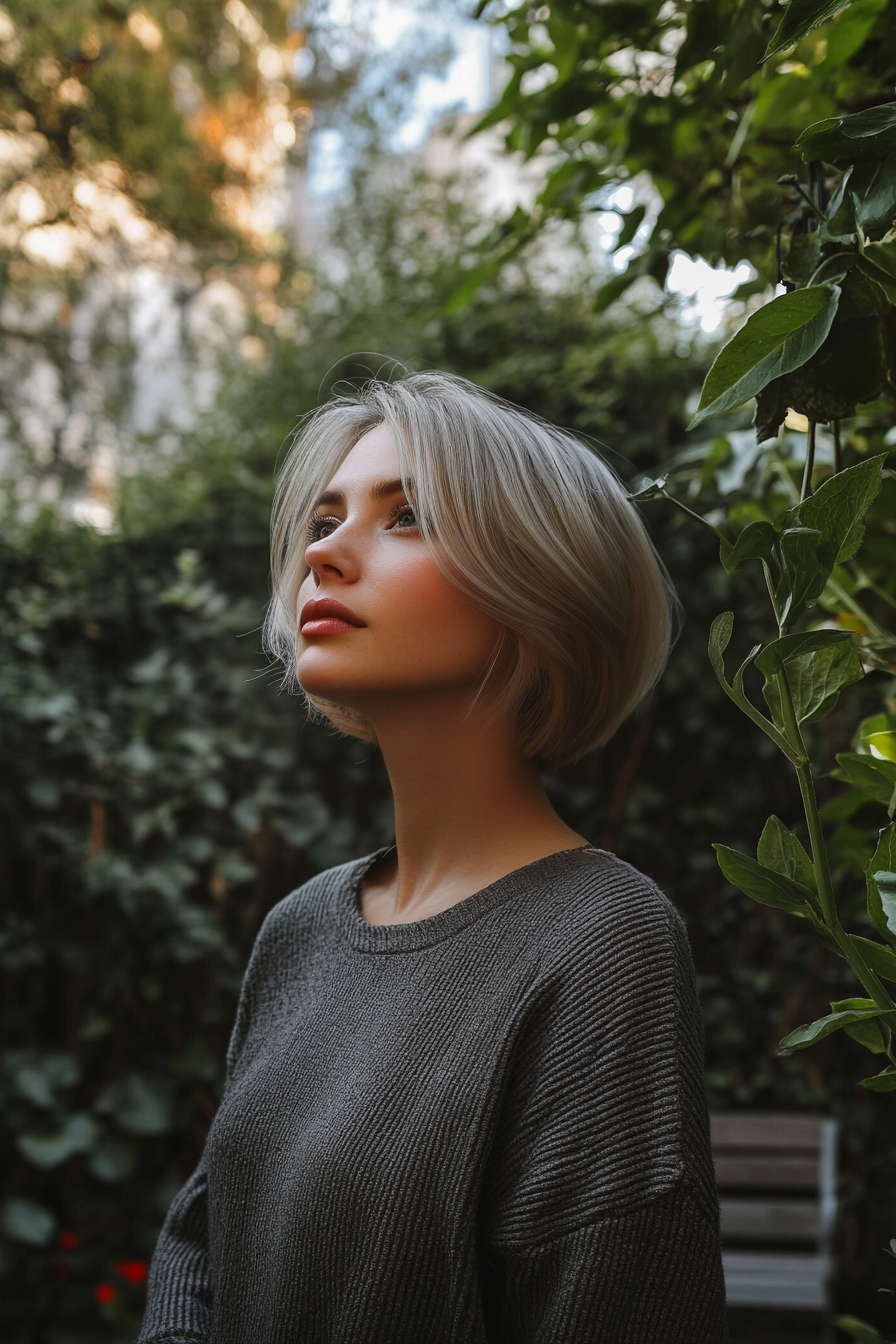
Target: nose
<point>334,556</point>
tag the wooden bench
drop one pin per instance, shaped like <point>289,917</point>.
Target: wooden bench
<point>777,1181</point>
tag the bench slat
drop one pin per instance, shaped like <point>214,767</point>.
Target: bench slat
<point>787,1280</point>
<point>765,1131</point>
<point>769,1220</point>
<point>769,1172</point>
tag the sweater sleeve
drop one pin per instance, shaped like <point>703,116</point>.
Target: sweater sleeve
<point>600,1216</point>
<point>178,1301</point>
<point>179,1288</point>
<point>645,1276</point>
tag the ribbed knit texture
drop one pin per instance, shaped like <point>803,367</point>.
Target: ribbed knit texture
<point>486,1127</point>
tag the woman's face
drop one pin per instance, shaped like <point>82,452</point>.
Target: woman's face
<point>375,614</point>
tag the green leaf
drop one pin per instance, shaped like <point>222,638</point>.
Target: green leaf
<point>868,1034</point>
<point>800,17</point>
<point>862,135</point>
<point>758,541</point>
<point>790,647</point>
<point>113,1158</point>
<point>883,745</point>
<point>39,1077</point>
<point>860,1331</point>
<point>878,261</point>
<point>807,560</point>
<point>568,184</point>
<point>876,778</point>
<point>886,889</point>
<point>26,1221</point>
<point>655,489</point>
<point>884,856</point>
<point>779,850</point>
<point>872,193</point>
<point>816,679</point>
<point>801,258</point>
<point>720,633</point>
<point>881,1082</point>
<point>763,884</point>
<point>813,1032</point>
<point>776,340</point>
<point>139,1104</point>
<point>839,195</point>
<point>842,807</point>
<point>838,507</point>
<point>875,723</point>
<point>77,1135</point>
<point>876,912</point>
<point>833,269</point>
<point>772,405</point>
<point>881,959</point>
<point>823,530</point>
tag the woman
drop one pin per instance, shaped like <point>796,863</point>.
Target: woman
<point>464,1099</point>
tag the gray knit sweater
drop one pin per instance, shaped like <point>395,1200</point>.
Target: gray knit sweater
<point>485,1126</point>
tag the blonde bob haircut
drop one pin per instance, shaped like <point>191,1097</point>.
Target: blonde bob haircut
<point>528,524</point>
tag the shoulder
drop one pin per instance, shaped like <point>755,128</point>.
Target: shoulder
<point>610,947</point>
<point>598,906</point>
<point>311,898</point>
<point>303,915</point>
<point>292,932</point>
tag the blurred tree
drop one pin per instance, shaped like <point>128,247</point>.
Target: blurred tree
<point>185,99</point>
<point>143,161</point>
<point>153,205</point>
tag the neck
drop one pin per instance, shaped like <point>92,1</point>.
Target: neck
<point>469,808</point>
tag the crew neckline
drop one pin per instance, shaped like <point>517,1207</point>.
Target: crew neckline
<point>421,933</point>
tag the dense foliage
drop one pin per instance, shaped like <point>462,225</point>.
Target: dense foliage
<point>684,99</point>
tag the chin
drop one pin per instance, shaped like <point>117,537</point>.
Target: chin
<point>340,686</point>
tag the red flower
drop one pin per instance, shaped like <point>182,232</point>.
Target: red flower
<point>68,1240</point>
<point>134,1271</point>
<point>104,1294</point>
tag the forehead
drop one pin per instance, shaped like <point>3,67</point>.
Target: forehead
<point>373,458</point>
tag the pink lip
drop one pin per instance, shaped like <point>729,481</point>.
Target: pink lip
<point>326,616</point>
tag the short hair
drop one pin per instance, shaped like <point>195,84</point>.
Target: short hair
<point>533,528</point>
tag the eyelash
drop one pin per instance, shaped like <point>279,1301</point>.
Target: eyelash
<point>312,532</point>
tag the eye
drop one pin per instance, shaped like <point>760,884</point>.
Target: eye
<point>403,517</point>
<point>320,527</point>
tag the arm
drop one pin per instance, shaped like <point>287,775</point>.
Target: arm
<point>178,1306</point>
<point>600,1217</point>
<point>644,1277</point>
<point>179,1289</point>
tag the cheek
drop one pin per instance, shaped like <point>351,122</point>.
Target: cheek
<point>428,616</point>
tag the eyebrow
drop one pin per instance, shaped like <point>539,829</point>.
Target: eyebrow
<point>380,490</point>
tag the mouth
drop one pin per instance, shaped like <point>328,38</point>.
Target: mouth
<point>326,616</point>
